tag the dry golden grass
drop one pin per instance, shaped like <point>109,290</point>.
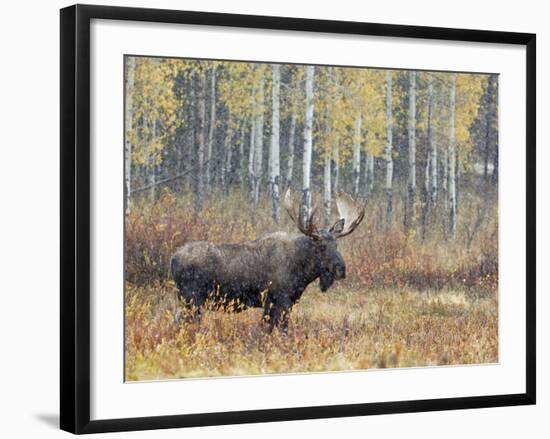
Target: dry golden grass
<point>344,329</point>
<point>409,300</point>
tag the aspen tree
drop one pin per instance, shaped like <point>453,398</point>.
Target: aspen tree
<point>356,164</point>
<point>200,140</point>
<point>259,139</point>
<point>129,112</point>
<point>431,142</point>
<point>308,143</point>
<point>241,172</point>
<point>274,151</point>
<point>388,150</point>
<point>411,130</point>
<point>251,151</point>
<point>290,157</point>
<point>452,158</point>
<point>211,130</point>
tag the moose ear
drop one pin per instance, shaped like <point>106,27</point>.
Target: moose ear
<point>337,227</point>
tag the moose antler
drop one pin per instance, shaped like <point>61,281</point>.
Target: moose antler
<point>305,223</point>
<point>351,211</point>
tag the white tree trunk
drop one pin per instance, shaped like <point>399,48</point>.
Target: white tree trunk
<point>356,162</point>
<point>493,125</point>
<point>335,167</point>
<point>130,75</point>
<point>259,142</point>
<point>411,192</point>
<point>200,120</point>
<point>388,150</point>
<point>229,165</point>
<point>427,175</point>
<point>211,129</point>
<point>274,152</point>
<point>191,132</point>
<point>425,193</point>
<point>290,158</point>
<point>452,159</point>
<point>153,165</point>
<point>431,143</point>
<point>251,152</point>
<point>308,143</point>
<point>327,187</point>
<point>445,176</point>
<point>335,151</point>
<point>225,162</point>
<point>241,174</point>
<point>370,172</point>
<point>222,163</point>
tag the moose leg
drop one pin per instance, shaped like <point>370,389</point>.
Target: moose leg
<point>276,313</point>
<point>188,306</point>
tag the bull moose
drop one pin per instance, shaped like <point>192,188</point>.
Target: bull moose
<point>271,272</point>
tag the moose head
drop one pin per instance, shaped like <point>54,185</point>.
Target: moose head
<point>328,259</point>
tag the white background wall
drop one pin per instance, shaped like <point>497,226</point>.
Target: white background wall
<point>29,200</point>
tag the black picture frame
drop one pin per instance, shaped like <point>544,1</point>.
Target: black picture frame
<point>75,217</point>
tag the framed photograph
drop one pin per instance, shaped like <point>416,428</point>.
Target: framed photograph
<point>268,218</point>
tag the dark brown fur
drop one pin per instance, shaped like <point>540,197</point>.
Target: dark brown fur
<point>271,272</point>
